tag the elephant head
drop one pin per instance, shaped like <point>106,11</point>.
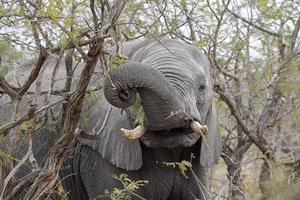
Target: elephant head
<point>174,83</point>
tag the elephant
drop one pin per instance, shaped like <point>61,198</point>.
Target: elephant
<point>170,82</point>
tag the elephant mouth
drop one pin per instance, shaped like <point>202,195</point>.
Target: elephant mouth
<point>177,137</point>
<point>180,136</point>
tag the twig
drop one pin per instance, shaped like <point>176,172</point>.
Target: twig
<point>252,24</point>
<point>28,179</point>
<point>250,133</point>
<point>71,45</point>
<point>6,87</point>
<point>294,36</point>
<point>74,42</point>
<point>105,121</point>
<point>29,115</point>
<point>95,18</point>
<point>15,170</point>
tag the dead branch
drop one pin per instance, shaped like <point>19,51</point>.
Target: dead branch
<point>253,24</point>
<point>7,88</point>
<point>14,171</point>
<point>250,133</point>
<point>71,45</point>
<point>294,36</point>
<point>22,184</point>
<point>15,92</point>
<point>104,122</point>
<point>29,115</point>
<point>26,117</point>
<point>92,7</point>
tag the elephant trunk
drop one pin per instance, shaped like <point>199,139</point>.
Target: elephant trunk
<point>161,103</point>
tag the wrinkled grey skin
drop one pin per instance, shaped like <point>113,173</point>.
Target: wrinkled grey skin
<point>174,82</point>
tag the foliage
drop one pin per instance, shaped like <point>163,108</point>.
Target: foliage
<point>8,56</point>
<point>2,138</point>
<point>89,100</point>
<point>248,44</point>
<point>138,111</point>
<point>84,119</point>
<point>26,127</point>
<point>183,166</point>
<point>129,188</point>
<point>4,156</point>
<point>117,60</point>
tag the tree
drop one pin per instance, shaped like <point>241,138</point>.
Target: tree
<point>31,16</point>
<point>253,47</point>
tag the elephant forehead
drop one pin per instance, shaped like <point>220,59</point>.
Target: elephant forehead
<point>179,63</point>
<point>169,56</point>
<point>183,62</point>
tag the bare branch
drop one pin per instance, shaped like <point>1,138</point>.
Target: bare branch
<point>252,24</point>
<point>95,18</point>
<point>294,35</point>
<point>74,42</point>
<point>104,122</point>
<point>250,133</point>
<point>15,92</point>
<point>71,45</point>
<point>7,88</point>
<point>14,171</point>
<point>35,72</point>
<point>29,115</point>
<point>26,117</point>
<point>22,183</point>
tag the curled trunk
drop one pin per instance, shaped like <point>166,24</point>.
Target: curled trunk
<point>161,103</point>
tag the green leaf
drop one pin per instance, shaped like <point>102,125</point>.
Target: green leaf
<point>129,187</point>
<point>117,60</point>
<point>262,3</point>
<point>3,12</point>
<point>5,156</point>
<point>183,3</point>
<point>55,10</point>
<point>183,166</point>
<point>138,111</point>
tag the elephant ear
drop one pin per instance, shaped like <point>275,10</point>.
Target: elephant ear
<point>104,136</point>
<point>211,143</point>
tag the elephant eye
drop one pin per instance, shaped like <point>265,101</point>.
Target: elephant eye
<point>202,87</point>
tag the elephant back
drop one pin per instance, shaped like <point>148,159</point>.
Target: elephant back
<point>47,75</point>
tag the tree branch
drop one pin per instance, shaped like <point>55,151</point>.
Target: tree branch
<point>29,115</point>
<point>15,92</point>
<point>35,72</point>
<point>250,133</point>
<point>294,35</point>
<point>26,117</point>
<point>252,24</point>
<point>48,176</point>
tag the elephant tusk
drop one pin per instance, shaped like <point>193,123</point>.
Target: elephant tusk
<point>133,134</point>
<point>198,128</point>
